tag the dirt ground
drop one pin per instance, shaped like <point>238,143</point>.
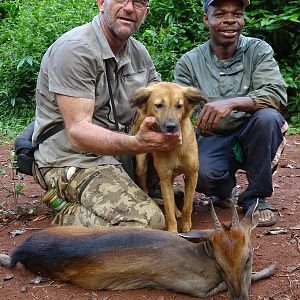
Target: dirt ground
<point>21,215</point>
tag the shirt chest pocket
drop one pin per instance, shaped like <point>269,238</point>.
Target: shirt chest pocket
<point>234,81</point>
<point>132,81</point>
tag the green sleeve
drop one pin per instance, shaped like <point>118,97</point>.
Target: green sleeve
<point>182,73</point>
<point>269,88</point>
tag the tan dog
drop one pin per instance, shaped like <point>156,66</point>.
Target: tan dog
<point>172,106</point>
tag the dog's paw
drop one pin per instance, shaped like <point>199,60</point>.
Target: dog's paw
<point>173,230</point>
<point>172,227</point>
<point>186,226</point>
<point>178,213</point>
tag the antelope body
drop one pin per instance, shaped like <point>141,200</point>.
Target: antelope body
<point>123,258</point>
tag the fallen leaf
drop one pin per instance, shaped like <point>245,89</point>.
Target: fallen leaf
<point>17,232</point>
<point>277,230</point>
<point>293,269</point>
<point>39,279</point>
<point>8,276</point>
<point>34,196</point>
<point>290,166</point>
<point>39,218</point>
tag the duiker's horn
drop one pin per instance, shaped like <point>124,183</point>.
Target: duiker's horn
<point>214,217</point>
<point>235,216</point>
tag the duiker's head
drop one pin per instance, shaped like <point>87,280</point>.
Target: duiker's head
<point>231,248</point>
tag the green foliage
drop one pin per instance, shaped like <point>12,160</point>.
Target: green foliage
<point>278,22</point>
<point>8,9</point>
<point>14,119</point>
<point>27,28</point>
<point>17,189</point>
<point>294,127</point>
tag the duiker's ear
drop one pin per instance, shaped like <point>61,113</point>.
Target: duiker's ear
<point>197,236</point>
<point>250,220</point>
<point>195,96</point>
<point>140,97</point>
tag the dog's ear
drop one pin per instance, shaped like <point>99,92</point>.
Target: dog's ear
<point>140,97</point>
<point>195,96</point>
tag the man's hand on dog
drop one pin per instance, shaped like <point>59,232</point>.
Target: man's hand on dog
<point>150,139</point>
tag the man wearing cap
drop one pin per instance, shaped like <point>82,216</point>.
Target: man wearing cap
<point>241,126</point>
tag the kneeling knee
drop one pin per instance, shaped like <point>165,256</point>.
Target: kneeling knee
<point>157,219</point>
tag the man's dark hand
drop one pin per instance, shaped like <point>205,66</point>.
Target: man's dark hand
<point>212,113</point>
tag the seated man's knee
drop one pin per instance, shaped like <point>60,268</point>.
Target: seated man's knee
<point>202,180</point>
<point>215,182</point>
<point>268,117</point>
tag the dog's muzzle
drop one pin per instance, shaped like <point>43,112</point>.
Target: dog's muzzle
<point>169,127</point>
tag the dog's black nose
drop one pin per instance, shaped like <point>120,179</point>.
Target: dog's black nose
<point>171,127</point>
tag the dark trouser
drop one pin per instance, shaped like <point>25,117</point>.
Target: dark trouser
<point>261,140</point>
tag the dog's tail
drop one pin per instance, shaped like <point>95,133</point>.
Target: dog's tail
<point>6,261</point>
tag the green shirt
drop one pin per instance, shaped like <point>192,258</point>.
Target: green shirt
<point>252,71</point>
<point>74,66</point>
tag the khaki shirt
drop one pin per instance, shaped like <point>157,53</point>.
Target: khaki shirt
<point>252,71</point>
<point>74,66</point>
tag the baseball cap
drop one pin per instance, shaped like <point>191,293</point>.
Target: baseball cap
<point>207,3</point>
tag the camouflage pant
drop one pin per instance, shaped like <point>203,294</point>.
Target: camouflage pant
<point>102,196</point>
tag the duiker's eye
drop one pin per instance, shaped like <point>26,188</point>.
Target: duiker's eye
<point>179,105</point>
<point>158,105</point>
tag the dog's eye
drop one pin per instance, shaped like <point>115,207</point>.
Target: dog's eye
<point>158,105</point>
<point>179,105</point>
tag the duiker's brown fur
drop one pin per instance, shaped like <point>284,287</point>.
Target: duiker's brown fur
<point>122,258</point>
<point>172,106</point>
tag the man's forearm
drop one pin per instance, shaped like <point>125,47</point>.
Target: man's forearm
<point>89,137</point>
<point>92,138</point>
<point>245,104</point>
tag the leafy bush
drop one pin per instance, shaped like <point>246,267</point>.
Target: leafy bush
<point>27,28</point>
<point>278,22</point>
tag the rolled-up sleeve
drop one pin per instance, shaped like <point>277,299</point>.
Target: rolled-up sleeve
<point>269,88</point>
<point>73,69</point>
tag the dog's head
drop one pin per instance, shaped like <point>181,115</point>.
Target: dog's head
<point>169,103</point>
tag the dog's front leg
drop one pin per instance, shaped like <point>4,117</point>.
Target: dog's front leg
<point>141,171</point>
<point>166,184</point>
<point>190,186</point>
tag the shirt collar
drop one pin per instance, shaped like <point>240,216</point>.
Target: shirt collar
<point>209,55</point>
